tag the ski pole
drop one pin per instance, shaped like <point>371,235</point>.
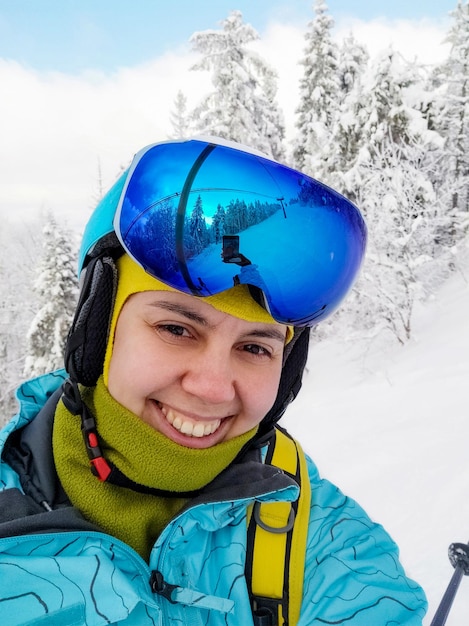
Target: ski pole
<point>458,554</point>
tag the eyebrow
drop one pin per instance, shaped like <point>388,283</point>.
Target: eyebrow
<point>190,314</point>
<point>271,333</point>
<point>182,310</point>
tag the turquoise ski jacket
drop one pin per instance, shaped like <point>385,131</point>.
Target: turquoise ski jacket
<point>58,569</point>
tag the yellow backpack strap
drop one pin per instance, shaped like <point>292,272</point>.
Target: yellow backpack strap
<point>277,535</point>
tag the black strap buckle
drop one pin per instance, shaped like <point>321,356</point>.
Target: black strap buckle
<point>265,611</point>
<point>161,587</point>
<point>71,397</point>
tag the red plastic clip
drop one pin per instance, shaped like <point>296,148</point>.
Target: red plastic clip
<point>99,465</point>
<point>100,468</point>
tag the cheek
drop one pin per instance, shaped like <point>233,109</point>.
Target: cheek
<point>119,378</point>
<point>257,398</point>
<point>126,377</point>
<point>260,395</point>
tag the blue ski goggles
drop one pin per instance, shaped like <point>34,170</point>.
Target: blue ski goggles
<point>203,217</point>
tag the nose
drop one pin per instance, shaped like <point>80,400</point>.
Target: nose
<point>210,376</point>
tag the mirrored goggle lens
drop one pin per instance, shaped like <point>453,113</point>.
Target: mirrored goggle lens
<point>203,217</point>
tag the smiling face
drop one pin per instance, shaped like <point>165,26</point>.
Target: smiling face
<point>195,374</point>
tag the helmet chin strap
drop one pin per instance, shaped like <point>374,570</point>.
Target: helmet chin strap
<point>102,468</point>
<point>73,402</point>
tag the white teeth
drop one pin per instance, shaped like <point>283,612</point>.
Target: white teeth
<point>198,430</point>
<point>186,428</point>
<point>189,427</point>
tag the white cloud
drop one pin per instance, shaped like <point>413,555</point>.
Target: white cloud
<point>55,128</point>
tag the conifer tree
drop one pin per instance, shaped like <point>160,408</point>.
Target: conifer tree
<point>319,95</point>
<point>56,289</point>
<point>218,224</point>
<point>347,129</point>
<point>452,120</point>
<point>198,227</point>
<point>243,105</point>
<point>20,247</point>
<point>180,117</point>
<point>390,182</point>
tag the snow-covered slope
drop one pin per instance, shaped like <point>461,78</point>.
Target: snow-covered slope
<point>390,426</point>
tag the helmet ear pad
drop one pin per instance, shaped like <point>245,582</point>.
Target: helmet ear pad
<point>88,336</point>
<point>294,363</point>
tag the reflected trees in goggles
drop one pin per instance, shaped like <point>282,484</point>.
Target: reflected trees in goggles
<point>203,217</point>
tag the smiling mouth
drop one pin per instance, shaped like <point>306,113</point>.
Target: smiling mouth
<point>190,427</point>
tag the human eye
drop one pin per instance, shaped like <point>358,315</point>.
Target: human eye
<point>257,351</point>
<point>172,330</point>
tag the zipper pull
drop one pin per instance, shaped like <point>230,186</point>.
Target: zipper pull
<point>188,597</point>
<point>161,587</point>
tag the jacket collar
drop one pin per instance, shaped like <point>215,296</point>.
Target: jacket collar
<point>29,453</point>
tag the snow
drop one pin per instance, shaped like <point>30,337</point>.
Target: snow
<point>389,425</point>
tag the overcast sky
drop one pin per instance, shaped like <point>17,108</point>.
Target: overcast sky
<point>87,83</point>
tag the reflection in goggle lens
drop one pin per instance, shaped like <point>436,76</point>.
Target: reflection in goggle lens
<point>203,217</point>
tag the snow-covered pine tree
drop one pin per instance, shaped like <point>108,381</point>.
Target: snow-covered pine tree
<point>391,184</point>
<point>347,129</point>
<point>197,228</point>
<point>56,288</point>
<point>217,228</point>
<point>452,120</point>
<point>20,247</point>
<point>353,59</point>
<point>180,117</point>
<point>397,199</point>
<point>319,96</point>
<point>243,105</point>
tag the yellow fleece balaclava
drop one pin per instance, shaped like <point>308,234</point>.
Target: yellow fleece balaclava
<point>132,278</point>
<point>141,453</point>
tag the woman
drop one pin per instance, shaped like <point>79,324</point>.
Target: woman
<point>202,271</point>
